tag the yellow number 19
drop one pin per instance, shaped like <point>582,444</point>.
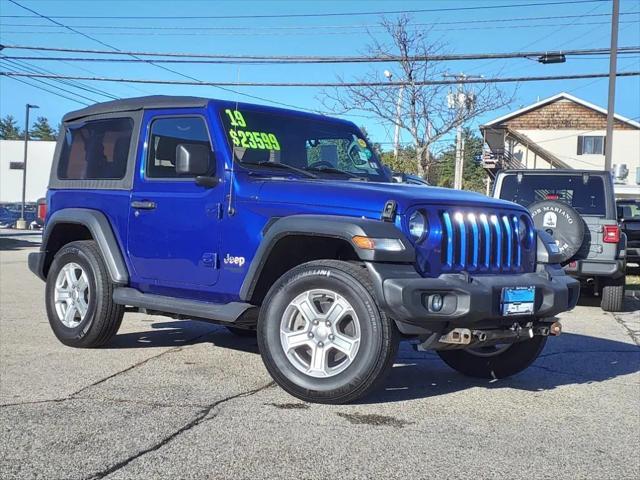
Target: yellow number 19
<point>236,118</point>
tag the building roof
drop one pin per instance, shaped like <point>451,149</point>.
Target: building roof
<point>137,103</point>
<point>554,98</point>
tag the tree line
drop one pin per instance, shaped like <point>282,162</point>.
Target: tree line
<point>41,129</point>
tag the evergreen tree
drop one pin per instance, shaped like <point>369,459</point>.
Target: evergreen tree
<point>473,175</point>
<point>41,130</point>
<point>9,129</point>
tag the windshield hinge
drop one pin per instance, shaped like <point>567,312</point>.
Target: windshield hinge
<point>389,211</point>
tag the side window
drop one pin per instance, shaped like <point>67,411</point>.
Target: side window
<point>96,150</point>
<point>590,145</point>
<point>166,135</point>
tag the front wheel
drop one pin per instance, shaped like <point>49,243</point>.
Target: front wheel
<point>499,361</point>
<point>321,334</point>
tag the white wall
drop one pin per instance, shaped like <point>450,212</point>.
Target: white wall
<point>564,145</point>
<point>39,158</point>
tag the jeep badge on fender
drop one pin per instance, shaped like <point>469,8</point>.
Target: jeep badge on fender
<point>285,225</point>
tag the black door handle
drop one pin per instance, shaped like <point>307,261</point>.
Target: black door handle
<point>143,205</point>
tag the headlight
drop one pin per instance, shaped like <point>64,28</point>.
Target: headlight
<point>417,226</point>
<point>522,229</point>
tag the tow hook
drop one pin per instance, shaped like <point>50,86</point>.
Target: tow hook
<point>555,329</point>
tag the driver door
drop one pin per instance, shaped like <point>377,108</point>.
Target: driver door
<point>174,229</point>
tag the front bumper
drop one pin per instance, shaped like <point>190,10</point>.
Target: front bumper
<point>469,301</point>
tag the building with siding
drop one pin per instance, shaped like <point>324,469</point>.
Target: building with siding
<point>39,159</point>
<point>563,131</point>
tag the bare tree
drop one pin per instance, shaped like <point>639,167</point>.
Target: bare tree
<point>424,112</point>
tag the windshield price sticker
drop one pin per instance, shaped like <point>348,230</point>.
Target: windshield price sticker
<point>249,139</point>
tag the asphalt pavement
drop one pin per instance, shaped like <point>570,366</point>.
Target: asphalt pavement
<point>188,400</point>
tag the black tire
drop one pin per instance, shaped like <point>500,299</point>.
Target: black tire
<point>613,295</point>
<point>563,223</point>
<point>509,362</point>
<point>103,317</point>
<point>241,332</point>
<point>378,335</point>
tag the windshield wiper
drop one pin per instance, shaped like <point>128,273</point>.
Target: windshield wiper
<point>333,170</point>
<point>286,167</point>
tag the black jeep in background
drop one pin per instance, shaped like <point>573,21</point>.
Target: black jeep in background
<point>629,217</point>
<point>578,209</point>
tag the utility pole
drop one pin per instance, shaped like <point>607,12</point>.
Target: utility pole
<point>21,224</point>
<point>461,101</point>
<point>396,133</point>
<point>613,60</point>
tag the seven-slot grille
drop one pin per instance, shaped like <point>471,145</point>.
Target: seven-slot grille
<point>482,242</point>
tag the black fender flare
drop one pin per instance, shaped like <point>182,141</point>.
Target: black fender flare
<point>101,231</point>
<point>330,226</point>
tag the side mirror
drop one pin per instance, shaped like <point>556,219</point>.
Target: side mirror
<point>192,159</point>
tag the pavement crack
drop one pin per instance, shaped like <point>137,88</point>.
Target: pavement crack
<point>197,420</point>
<point>585,351</point>
<point>139,364</point>
<point>74,395</point>
<point>634,334</point>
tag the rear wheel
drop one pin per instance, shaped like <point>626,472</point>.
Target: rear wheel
<point>79,297</point>
<point>613,295</point>
<point>321,334</point>
<point>499,361</point>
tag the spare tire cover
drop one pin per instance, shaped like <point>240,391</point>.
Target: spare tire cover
<point>562,222</point>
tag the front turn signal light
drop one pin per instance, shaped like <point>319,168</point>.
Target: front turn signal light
<point>385,244</point>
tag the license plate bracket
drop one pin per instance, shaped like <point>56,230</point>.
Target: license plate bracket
<point>518,300</point>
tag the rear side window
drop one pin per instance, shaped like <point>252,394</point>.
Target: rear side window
<point>166,135</point>
<point>96,150</point>
<point>585,194</point>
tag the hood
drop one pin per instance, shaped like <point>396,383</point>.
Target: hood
<point>369,196</point>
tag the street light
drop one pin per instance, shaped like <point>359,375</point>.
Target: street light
<point>396,135</point>
<point>21,224</point>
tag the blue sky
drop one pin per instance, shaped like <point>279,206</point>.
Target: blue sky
<point>335,35</point>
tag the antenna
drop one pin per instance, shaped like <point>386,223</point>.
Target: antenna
<point>230,210</point>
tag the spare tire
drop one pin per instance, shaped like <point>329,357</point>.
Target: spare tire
<point>562,222</point>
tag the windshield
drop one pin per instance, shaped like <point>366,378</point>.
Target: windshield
<point>584,193</point>
<point>322,147</point>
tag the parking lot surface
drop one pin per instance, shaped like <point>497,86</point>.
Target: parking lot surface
<point>185,399</point>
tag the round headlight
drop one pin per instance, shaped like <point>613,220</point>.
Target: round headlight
<point>417,226</point>
<point>522,229</point>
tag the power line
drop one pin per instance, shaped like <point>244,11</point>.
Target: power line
<point>12,65</point>
<point>35,69</point>
<point>117,50</point>
<point>300,58</point>
<point>21,80</point>
<point>312,31</point>
<point>315,27</point>
<point>326,84</point>
<point>313,15</point>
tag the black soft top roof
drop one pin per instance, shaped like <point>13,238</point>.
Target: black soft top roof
<point>137,103</point>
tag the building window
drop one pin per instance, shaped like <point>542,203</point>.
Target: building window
<point>590,145</point>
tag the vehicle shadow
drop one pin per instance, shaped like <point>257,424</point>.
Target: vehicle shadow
<point>14,242</point>
<point>183,332</point>
<point>567,360</point>
<point>570,359</point>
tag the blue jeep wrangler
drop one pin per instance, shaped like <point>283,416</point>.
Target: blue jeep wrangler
<point>286,223</point>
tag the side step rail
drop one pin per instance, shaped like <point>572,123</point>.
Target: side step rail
<point>228,312</point>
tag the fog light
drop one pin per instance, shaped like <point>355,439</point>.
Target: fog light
<point>436,303</point>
